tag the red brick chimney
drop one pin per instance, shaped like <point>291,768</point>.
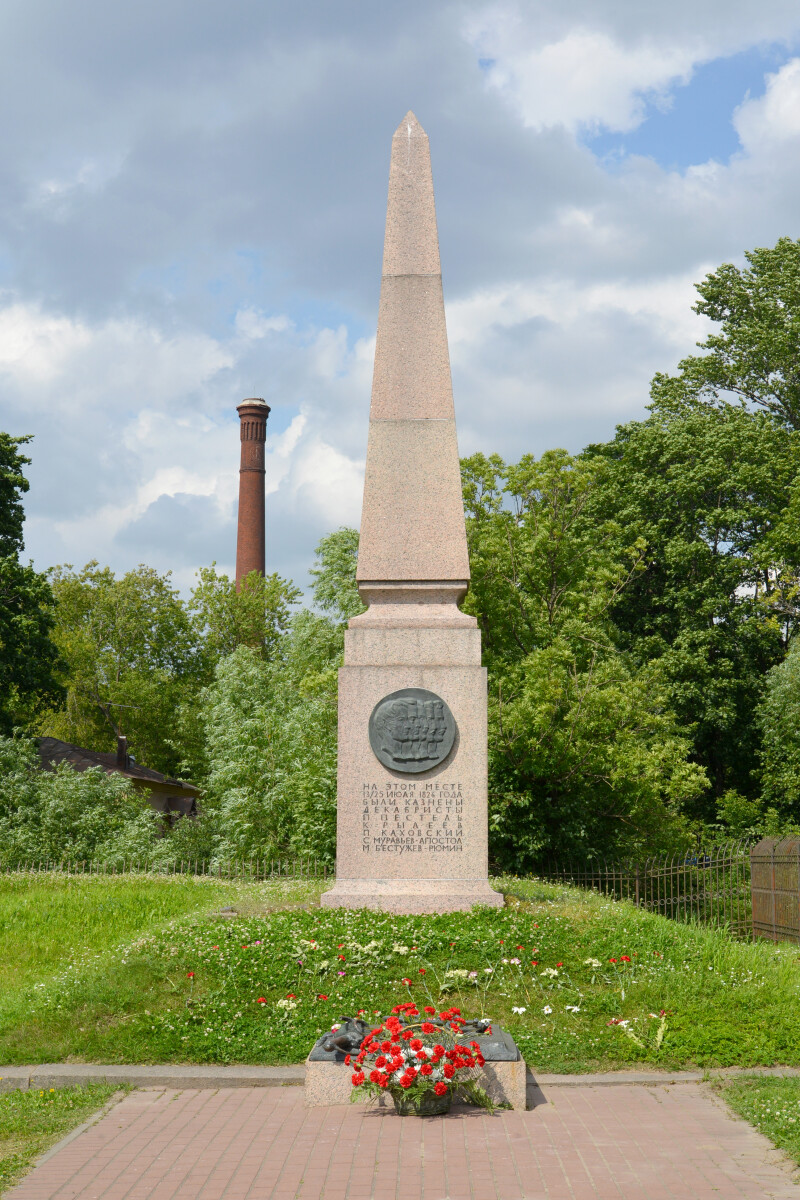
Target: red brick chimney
<point>250,554</point>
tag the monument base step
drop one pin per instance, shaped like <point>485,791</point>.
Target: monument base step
<point>411,895</point>
<point>331,1083</point>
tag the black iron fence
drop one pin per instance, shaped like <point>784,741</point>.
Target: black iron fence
<point>711,885</point>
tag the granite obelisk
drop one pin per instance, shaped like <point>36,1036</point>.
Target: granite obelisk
<point>412,804</point>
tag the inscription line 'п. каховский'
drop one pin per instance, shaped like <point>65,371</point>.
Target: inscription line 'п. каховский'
<point>408,818</point>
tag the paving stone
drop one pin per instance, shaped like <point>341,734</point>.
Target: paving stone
<point>583,1143</point>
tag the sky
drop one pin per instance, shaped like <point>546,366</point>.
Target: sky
<point>192,200</point>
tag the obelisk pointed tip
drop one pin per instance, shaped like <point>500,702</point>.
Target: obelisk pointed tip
<point>409,127</point>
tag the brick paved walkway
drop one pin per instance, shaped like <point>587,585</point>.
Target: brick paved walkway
<point>583,1143</point>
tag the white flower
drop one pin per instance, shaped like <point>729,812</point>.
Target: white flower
<point>335,1026</point>
<point>591,962</point>
<point>514,962</point>
<point>457,973</point>
<point>572,1008</point>
<point>287,1004</point>
<point>520,1011</point>
<point>472,975</point>
<point>399,949</point>
<point>488,970</point>
<point>551,972</point>
<point>547,1009</point>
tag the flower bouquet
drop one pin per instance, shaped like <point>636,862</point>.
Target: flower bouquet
<point>417,1058</point>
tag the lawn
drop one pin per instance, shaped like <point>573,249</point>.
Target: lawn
<point>582,982</point>
<point>772,1105</point>
<point>31,1122</point>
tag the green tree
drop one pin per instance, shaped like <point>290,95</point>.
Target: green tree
<point>270,730</point>
<point>28,656</point>
<point>709,489</point>
<point>779,720</point>
<point>334,574</point>
<point>66,814</point>
<point>755,355</point>
<point>132,659</point>
<point>255,615</point>
<point>585,755</point>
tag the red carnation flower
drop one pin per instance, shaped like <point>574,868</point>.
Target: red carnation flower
<point>612,960</point>
<point>380,1061</point>
<point>624,958</point>
<point>438,1050</point>
<point>407,982</point>
<point>190,974</point>
<point>422,971</point>
<point>416,1044</point>
<point>426,1027</point>
<point>440,1088</point>
<point>406,1034</point>
<point>406,1083</point>
<point>426,1069</point>
<point>481,1060</point>
<point>261,1000</point>
<point>374,1076</point>
<point>357,1078</point>
<point>449,1070</point>
<point>559,964</point>
<point>430,1011</point>
<point>347,1060</point>
<point>321,996</point>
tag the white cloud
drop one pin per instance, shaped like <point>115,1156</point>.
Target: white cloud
<point>774,118</point>
<point>584,79</point>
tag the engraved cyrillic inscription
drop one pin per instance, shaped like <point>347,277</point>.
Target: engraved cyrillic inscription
<point>412,818</point>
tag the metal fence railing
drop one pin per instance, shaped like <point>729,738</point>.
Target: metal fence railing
<point>257,869</point>
<point>711,886</point>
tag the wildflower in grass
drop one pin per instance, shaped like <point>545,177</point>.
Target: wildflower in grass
<point>519,1011</point>
<point>407,982</point>
<point>572,1008</point>
<point>592,962</point>
<point>559,964</point>
<point>547,1009</point>
<point>550,972</point>
<point>321,996</point>
<point>612,960</point>
<point>624,958</point>
<point>422,971</point>
<point>473,974</point>
<point>488,970</point>
<point>190,974</point>
<point>263,1000</point>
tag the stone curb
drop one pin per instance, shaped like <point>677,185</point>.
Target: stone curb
<point>169,1075</point>
<point>183,1076</point>
<point>654,1078</point>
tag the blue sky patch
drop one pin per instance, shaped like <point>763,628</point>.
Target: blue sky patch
<point>698,124</point>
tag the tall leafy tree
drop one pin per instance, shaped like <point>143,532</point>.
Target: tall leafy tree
<point>133,659</point>
<point>585,754</point>
<point>28,656</point>
<point>255,615</point>
<point>711,491</point>
<point>755,354</point>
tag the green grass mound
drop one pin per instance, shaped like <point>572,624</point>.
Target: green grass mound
<point>581,982</point>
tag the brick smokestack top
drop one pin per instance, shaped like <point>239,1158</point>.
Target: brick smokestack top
<point>250,555</point>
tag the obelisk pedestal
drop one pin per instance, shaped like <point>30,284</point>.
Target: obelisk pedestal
<point>412,777</point>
